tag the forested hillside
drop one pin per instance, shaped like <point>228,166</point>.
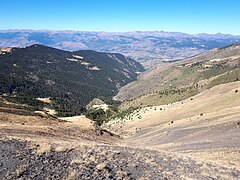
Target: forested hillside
<point>69,79</point>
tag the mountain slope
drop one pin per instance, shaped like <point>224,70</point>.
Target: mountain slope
<point>205,126</point>
<point>73,148</point>
<point>69,79</point>
<point>188,76</point>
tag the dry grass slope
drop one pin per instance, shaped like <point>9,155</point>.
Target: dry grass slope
<point>185,73</point>
<point>205,126</point>
<point>177,142</point>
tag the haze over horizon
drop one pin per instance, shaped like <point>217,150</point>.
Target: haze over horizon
<point>151,31</point>
<point>185,16</point>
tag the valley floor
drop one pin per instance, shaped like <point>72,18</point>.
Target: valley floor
<point>197,138</point>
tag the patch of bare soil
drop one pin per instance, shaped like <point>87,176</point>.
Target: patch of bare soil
<point>45,129</point>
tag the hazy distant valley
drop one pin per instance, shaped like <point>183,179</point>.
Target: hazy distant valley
<point>148,47</point>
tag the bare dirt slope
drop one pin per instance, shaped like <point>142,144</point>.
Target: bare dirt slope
<point>48,130</point>
<point>206,126</point>
<point>176,142</point>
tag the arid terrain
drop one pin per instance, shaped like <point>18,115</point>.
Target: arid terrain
<point>205,126</point>
<point>197,138</point>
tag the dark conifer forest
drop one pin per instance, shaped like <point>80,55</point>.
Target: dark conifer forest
<point>70,79</point>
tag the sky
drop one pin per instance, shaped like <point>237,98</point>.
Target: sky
<point>189,16</point>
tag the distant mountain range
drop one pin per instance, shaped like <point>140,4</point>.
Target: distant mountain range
<point>140,45</point>
<point>70,80</point>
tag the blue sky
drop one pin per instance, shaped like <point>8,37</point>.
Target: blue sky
<point>190,16</point>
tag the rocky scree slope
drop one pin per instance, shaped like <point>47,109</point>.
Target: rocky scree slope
<point>103,162</point>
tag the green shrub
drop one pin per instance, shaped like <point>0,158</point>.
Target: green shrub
<point>98,115</point>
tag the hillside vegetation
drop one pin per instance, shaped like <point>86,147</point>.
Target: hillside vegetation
<point>180,80</point>
<point>69,80</point>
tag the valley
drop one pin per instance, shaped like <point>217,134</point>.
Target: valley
<point>177,120</point>
<point>183,78</point>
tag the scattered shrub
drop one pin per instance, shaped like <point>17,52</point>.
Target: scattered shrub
<point>97,115</point>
